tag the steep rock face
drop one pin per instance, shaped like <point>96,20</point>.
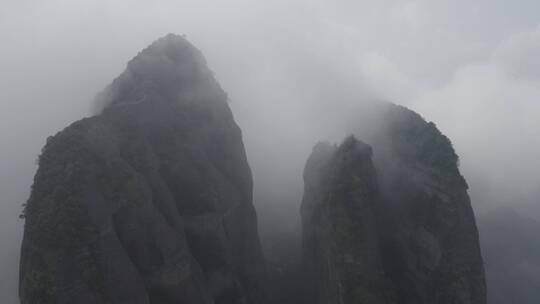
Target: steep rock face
<point>426,235</point>
<point>431,243</point>
<point>340,235</point>
<point>151,200</point>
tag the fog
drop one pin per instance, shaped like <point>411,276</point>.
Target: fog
<point>290,69</point>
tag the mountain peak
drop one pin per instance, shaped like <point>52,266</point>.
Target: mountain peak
<point>173,47</point>
<point>355,146</point>
<point>169,70</point>
<point>149,201</point>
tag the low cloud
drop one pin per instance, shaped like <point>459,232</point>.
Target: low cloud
<point>491,111</point>
<point>290,69</point>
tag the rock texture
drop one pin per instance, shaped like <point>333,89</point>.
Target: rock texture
<point>414,238</point>
<point>341,243</point>
<point>151,200</point>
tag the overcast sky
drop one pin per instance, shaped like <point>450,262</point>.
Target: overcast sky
<point>472,67</point>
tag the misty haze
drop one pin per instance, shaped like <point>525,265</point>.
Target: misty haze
<point>270,152</point>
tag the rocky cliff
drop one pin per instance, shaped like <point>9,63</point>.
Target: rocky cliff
<point>342,250</point>
<point>150,201</point>
<point>395,229</point>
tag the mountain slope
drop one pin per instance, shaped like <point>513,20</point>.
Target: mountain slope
<point>431,241</point>
<point>149,201</point>
<point>413,236</point>
<point>340,236</point>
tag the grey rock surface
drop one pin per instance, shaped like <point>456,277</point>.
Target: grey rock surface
<point>418,241</point>
<point>341,244</point>
<point>150,200</point>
